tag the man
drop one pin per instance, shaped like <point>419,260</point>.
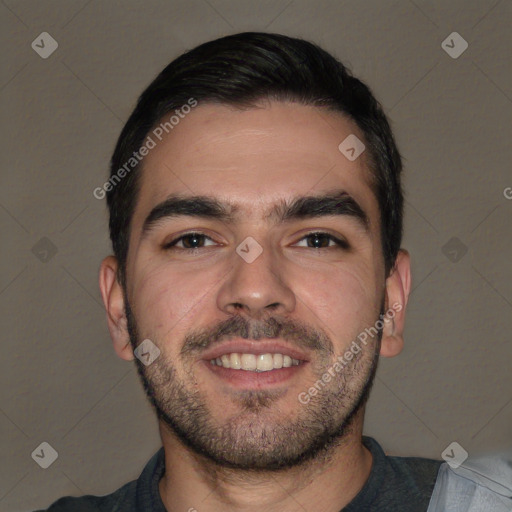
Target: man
<point>256,219</point>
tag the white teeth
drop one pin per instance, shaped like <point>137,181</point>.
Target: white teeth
<point>234,360</point>
<point>252,362</point>
<point>248,362</point>
<point>264,362</point>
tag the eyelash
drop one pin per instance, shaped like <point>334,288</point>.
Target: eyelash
<point>342,244</point>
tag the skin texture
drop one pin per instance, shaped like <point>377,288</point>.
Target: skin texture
<point>229,448</point>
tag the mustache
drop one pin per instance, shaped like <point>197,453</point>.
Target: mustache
<point>238,326</point>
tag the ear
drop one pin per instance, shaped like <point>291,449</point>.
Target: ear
<point>398,286</point>
<point>113,299</point>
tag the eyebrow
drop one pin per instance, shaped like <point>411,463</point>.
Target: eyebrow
<point>335,203</point>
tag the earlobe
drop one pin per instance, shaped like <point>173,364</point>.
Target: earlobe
<point>398,286</point>
<point>391,346</point>
<point>113,299</point>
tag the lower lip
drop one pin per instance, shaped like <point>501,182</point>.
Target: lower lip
<point>254,380</point>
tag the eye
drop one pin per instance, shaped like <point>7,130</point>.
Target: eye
<point>194,240</point>
<point>189,241</point>
<point>320,238</point>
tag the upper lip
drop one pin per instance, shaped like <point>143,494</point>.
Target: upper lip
<point>264,346</point>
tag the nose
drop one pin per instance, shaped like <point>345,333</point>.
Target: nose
<point>257,288</point>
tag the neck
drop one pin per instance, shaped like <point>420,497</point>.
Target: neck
<point>328,483</point>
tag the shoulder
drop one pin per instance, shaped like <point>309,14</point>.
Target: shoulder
<point>135,495</point>
<point>482,483</point>
<point>395,481</point>
<point>417,471</point>
<point>411,480</point>
<point>123,500</point>
<point>412,472</point>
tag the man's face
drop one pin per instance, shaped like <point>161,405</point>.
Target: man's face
<point>303,297</point>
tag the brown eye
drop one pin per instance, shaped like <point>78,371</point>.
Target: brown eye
<point>189,241</point>
<point>320,240</point>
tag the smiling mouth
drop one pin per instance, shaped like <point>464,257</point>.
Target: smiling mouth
<point>255,362</point>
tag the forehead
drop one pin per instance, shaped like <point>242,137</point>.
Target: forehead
<point>253,158</point>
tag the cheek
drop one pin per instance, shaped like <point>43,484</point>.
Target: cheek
<point>165,298</point>
<point>343,299</point>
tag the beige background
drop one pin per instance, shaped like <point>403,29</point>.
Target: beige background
<point>61,381</point>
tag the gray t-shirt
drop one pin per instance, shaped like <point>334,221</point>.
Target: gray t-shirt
<point>395,484</point>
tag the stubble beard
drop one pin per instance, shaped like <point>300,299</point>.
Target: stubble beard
<point>259,438</point>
